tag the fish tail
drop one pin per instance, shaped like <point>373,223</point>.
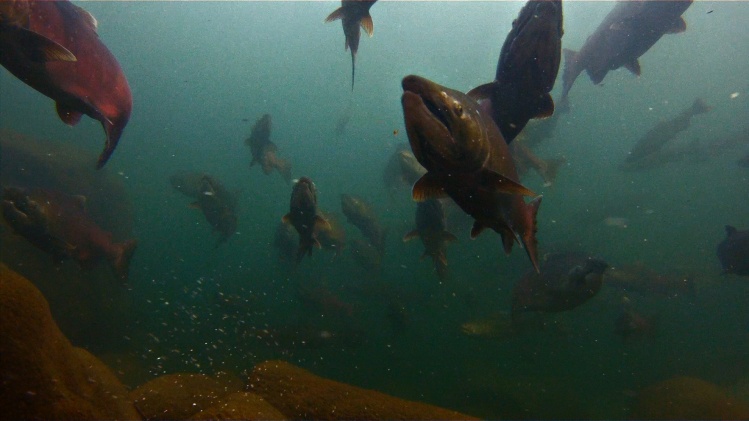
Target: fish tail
<point>121,261</point>
<point>113,131</point>
<point>529,234</point>
<point>284,168</point>
<point>550,170</point>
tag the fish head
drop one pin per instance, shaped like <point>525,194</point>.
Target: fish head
<point>21,212</point>
<point>304,192</point>
<point>353,205</point>
<point>445,127</point>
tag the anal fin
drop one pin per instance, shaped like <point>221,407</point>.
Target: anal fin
<point>67,115</point>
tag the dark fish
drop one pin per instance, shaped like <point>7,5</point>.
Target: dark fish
<point>93,84</point>
<point>303,216</point>
<point>353,13</point>
<point>625,34</point>
<point>733,252</point>
<point>645,280</point>
<point>633,325</point>
<point>467,159</point>
<point>264,151</point>
<point>218,205</point>
<point>566,281</point>
<point>14,34</point>
<point>527,68</point>
<point>361,214</point>
<point>663,132</point>
<point>59,225</point>
<point>430,228</point>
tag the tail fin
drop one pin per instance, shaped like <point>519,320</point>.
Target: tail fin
<point>549,172</point>
<point>121,260</point>
<point>529,234</point>
<point>284,168</point>
<point>699,106</point>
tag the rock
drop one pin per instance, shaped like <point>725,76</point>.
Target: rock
<point>299,394</point>
<point>42,375</point>
<point>240,405</point>
<point>180,396</point>
<point>688,398</point>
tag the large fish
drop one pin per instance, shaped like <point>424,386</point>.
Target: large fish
<point>663,132</point>
<point>353,13</point>
<point>566,281</point>
<point>58,224</point>
<point>264,151</point>
<point>303,215</point>
<point>430,228</point>
<point>625,34</point>
<point>467,159</point>
<point>93,84</point>
<point>733,252</point>
<point>527,68</point>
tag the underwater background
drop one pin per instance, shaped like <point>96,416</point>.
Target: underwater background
<point>202,73</point>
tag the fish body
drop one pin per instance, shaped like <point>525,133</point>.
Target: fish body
<point>285,241</point>
<point>264,151</point>
<point>467,159</point>
<point>430,228</point>
<point>366,255</point>
<point>625,34</point>
<point>361,214</point>
<point>657,137</point>
<point>525,159</point>
<point>527,68</point>
<point>353,14</point>
<point>93,84</point>
<point>733,252</point>
<point>303,216</point>
<point>566,281</point>
<point>58,224</point>
<point>632,325</point>
<point>188,183</point>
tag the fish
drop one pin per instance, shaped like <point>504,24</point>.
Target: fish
<point>624,35</point>
<point>57,223</point>
<point>14,34</point>
<point>467,159</point>
<point>430,228</point>
<point>366,255</point>
<point>303,216</point>
<point>93,84</point>
<point>733,251</point>
<point>637,277</point>
<point>633,325</point>
<point>657,137</point>
<point>527,69</point>
<point>360,214</point>
<point>567,280</point>
<point>353,14</point>
<point>402,169</point>
<point>264,151</point>
<point>218,205</point>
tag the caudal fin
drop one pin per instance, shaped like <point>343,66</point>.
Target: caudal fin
<point>529,234</point>
<point>121,260</point>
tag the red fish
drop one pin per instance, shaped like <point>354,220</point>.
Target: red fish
<point>93,84</point>
<point>59,225</point>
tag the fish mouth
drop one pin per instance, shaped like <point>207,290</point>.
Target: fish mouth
<point>427,91</point>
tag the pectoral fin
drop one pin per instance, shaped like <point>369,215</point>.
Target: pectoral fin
<point>495,181</point>
<point>429,186</point>
<point>634,67</point>
<point>482,92</point>
<point>367,25</point>
<point>678,27</point>
<point>321,223</point>
<point>411,235</point>
<point>337,14</point>
<point>546,107</point>
<point>39,48</point>
<point>67,115</point>
<point>477,229</point>
<point>286,219</point>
